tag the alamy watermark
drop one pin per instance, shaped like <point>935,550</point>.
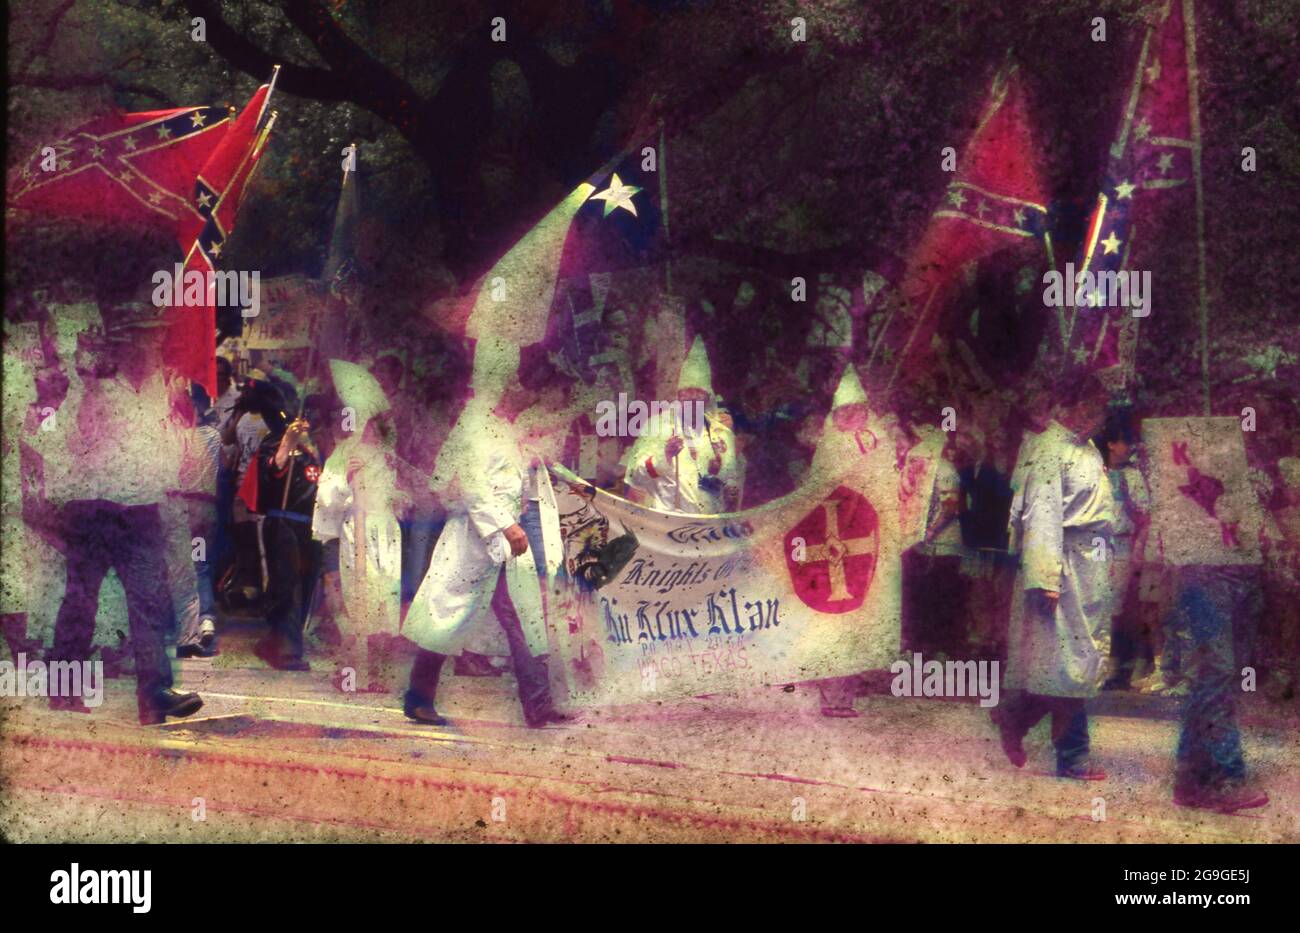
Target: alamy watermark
<point>88,886</point>
<point>921,678</point>
<point>1129,289</point>
<point>36,678</point>
<point>196,289</point>
<point>655,419</point>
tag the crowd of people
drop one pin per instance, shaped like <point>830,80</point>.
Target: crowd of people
<point>334,509</point>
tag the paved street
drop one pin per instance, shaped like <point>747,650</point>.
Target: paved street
<point>285,756</point>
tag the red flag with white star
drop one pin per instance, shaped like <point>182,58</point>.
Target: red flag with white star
<point>189,346</point>
<point>134,169</point>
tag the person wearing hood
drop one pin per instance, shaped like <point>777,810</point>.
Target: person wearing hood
<point>540,429</point>
<point>852,434</point>
<point>281,486</point>
<point>691,465</point>
<point>358,507</point>
<point>483,478</point>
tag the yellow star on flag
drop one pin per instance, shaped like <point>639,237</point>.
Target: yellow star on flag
<point>205,199</point>
<point>128,143</point>
<point>1111,243</point>
<point>96,151</point>
<point>1166,162</point>
<point>197,118</point>
<point>1124,190</point>
<point>617,195</point>
<point>164,132</point>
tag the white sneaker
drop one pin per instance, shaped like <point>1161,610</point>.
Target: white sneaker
<point>1166,689</point>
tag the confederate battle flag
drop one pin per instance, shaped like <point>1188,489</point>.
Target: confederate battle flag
<point>134,169</point>
<point>189,346</point>
<point>1151,165</point>
<point>995,200</point>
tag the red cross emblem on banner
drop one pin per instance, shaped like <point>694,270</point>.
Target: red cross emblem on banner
<point>833,569</point>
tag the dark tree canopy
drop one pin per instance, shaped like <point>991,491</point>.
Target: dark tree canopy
<point>817,158</point>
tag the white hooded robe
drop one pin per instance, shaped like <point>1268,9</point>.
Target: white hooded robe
<point>370,569</point>
<point>481,477</point>
<point>1063,505</point>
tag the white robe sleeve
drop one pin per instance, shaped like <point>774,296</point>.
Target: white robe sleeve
<point>732,472</point>
<point>333,502</point>
<point>1042,530</point>
<point>646,464</point>
<point>492,495</point>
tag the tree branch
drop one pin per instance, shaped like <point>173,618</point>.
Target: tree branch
<point>72,82</point>
<point>51,30</point>
<point>248,57</point>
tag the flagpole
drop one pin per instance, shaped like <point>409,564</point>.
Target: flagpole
<point>266,102</point>
<point>880,337</point>
<point>313,362</point>
<point>1193,101</point>
<point>670,311</point>
<point>997,97</point>
<point>263,135</point>
<point>902,355</point>
<point>663,204</point>
<point>1116,153</point>
<point>1066,332</point>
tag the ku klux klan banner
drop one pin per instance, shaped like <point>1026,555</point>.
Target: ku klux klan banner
<point>803,588</point>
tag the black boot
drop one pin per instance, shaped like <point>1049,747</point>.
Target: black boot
<point>155,708</point>
<point>535,693</point>
<point>418,703</point>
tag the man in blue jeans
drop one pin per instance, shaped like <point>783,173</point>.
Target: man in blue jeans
<point>1210,772</point>
<point>104,508</point>
<point>200,467</point>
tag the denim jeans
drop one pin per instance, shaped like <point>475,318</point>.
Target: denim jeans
<point>202,604</point>
<point>1210,599</point>
<point>127,538</point>
<point>531,522</point>
<point>204,524</point>
<point>419,534</point>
